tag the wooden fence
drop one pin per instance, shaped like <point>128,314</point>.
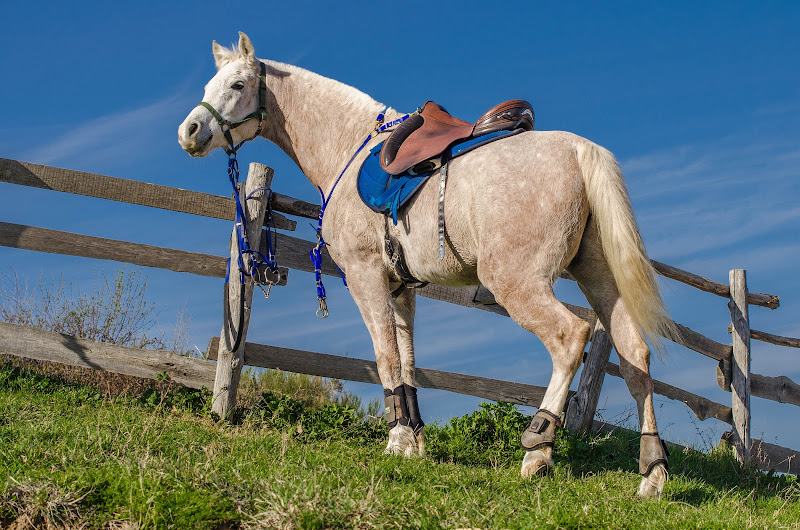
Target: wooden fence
<point>733,360</point>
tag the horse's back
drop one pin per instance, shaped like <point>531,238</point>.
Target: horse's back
<point>523,194</point>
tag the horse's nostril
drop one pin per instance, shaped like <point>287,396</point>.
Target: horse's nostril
<point>193,128</point>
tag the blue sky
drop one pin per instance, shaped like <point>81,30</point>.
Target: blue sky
<point>700,102</point>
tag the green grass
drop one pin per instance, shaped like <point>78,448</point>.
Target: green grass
<point>70,456</point>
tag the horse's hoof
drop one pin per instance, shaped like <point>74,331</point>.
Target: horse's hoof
<point>652,485</point>
<point>536,464</point>
<point>420,437</point>
<point>401,441</point>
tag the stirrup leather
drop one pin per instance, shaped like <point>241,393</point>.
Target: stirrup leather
<point>652,451</point>
<point>541,432</point>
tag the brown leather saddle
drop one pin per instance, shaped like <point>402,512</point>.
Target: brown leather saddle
<point>430,132</point>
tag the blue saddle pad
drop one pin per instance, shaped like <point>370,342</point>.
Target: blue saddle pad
<point>385,193</point>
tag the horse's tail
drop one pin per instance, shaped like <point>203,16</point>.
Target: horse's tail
<point>622,244</point>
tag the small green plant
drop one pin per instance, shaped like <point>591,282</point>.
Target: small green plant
<point>310,422</point>
<point>488,436</point>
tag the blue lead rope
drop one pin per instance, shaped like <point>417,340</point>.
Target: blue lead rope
<point>316,252</point>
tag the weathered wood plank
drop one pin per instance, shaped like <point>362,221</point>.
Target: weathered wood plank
<point>124,190</point>
<point>704,284</point>
<point>34,343</point>
<point>292,206</point>
<point>58,242</point>
<point>724,370</point>
<point>740,372</point>
<point>293,252</point>
<point>766,456</point>
<point>702,344</point>
<point>780,389</point>
<point>774,339</point>
<point>702,407</point>
<point>239,291</point>
<point>363,371</point>
<point>581,408</point>
<point>67,243</point>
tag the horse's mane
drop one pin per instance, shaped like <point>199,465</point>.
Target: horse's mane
<point>350,95</point>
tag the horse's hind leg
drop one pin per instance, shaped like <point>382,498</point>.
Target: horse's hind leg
<point>591,270</point>
<point>530,302</point>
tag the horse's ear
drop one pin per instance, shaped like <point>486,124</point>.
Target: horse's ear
<point>246,48</point>
<point>222,55</point>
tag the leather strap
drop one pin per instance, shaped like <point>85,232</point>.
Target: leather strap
<point>260,113</point>
<point>442,181</point>
<point>395,252</point>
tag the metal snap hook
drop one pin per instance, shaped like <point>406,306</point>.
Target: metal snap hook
<point>322,312</point>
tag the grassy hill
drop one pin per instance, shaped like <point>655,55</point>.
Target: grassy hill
<point>75,455</point>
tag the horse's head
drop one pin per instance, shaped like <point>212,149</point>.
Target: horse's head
<point>233,107</point>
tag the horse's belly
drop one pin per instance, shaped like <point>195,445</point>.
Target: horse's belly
<point>418,233</point>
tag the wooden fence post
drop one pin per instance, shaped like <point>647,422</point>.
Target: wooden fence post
<point>229,363</point>
<point>740,370</point>
<point>582,406</point>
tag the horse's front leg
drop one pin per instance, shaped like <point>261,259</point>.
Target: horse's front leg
<point>404,308</point>
<point>369,286</point>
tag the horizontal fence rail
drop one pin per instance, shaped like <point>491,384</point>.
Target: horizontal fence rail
<point>363,371</point>
<point>67,243</point>
<point>40,345</point>
<point>131,191</point>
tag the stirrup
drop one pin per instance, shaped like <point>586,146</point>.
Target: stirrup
<point>652,451</point>
<point>541,432</point>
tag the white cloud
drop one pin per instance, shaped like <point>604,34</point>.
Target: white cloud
<point>118,135</point>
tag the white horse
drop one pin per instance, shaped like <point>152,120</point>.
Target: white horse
<point>518,212</point>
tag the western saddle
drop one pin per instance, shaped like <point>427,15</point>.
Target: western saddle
<point>428,133</point>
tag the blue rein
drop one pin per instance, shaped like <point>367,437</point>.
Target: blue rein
<point>257,258</point>
<point>316,252</point>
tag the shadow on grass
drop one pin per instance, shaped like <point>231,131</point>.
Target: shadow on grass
<point>698,477</point>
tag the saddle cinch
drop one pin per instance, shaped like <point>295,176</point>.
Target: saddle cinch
<point>428,134</point>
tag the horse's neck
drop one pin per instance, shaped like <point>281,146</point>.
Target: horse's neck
<point>317,121</point>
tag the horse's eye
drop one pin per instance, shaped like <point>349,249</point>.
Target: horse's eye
<point>238,85</point>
